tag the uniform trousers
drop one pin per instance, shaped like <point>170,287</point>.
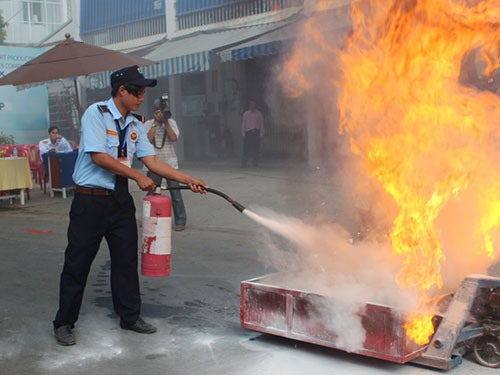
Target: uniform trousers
<point>92,218</point>
<point>251,147</point>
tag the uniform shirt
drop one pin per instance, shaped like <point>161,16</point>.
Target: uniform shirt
<point>252,120</point>
<point>100,134</point>
<point>61,145</point>
<point>167,152</point>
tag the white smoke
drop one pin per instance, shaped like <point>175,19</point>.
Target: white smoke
<point>324,259</point>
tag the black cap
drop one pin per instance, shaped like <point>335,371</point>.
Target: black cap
<point>131,74</point>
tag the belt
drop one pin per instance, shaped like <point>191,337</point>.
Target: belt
<point>92,191</point>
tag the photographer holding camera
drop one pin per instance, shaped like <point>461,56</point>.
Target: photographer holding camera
<point>163,133</point>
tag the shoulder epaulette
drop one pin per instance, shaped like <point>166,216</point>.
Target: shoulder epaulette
<point>139,117</point>
<point>103,108</point>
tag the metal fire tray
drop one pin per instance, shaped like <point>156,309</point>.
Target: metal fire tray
<point>270,307</point>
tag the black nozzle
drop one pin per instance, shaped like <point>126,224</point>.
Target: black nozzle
<point>238,206</point>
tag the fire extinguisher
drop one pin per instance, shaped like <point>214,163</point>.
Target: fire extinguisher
<point>156,235</point>
<point>156,232</point>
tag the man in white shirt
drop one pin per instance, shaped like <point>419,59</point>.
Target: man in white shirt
<point>252,130</point>
<point>163,132</point>
<point>55,143</point>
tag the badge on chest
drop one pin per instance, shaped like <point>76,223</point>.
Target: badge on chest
<point>134,136</point>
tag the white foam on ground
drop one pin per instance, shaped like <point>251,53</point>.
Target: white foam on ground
<point>96,340</point>
<point>208,342</point>
<point>11,347</point>
<point>92,349</point>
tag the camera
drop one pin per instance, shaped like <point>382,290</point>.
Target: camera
<point>163,105</point>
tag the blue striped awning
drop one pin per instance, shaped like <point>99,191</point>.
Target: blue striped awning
<point>263,49</point>
<point>196,62</point>
<point>276,41</point>
<point>193,53</point>
<point>283,38</point>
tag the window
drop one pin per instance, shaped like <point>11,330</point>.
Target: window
<point>42,11</point>
<point>32,11</point>
<point>54,13</point>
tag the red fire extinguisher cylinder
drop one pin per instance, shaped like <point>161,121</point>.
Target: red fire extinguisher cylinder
<point>156,235</point>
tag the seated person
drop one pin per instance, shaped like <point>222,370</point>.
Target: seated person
<point>55,143</point>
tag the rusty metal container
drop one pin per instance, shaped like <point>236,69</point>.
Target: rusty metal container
<point>266,306</point>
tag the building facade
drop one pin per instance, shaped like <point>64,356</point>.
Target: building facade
<point>213,56</point>
<point>36,22</point>
<point>105,23</point>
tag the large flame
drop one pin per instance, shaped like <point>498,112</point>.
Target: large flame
<point>418,117</point>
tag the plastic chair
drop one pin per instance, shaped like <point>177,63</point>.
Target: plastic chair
<point>20,148</point>
<point>43,178</point>
<point>9,149</point>
<point>34,165</point>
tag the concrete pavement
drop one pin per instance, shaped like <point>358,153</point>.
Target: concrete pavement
<point>196,309</point>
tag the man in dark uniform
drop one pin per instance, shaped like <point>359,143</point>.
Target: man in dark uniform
<point>102,206</point>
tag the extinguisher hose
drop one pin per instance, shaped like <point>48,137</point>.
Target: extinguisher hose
<point>235,204</point>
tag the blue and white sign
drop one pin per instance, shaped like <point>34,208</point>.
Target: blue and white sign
<point>25,113</point>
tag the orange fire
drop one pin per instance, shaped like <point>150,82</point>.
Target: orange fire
<point>419,327</point>
<point>414,83</point>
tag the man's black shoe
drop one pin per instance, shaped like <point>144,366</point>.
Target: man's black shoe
<point>64,336</point>
<point>139,326</point>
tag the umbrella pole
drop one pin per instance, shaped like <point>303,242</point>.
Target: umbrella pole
<point>78,109</point>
